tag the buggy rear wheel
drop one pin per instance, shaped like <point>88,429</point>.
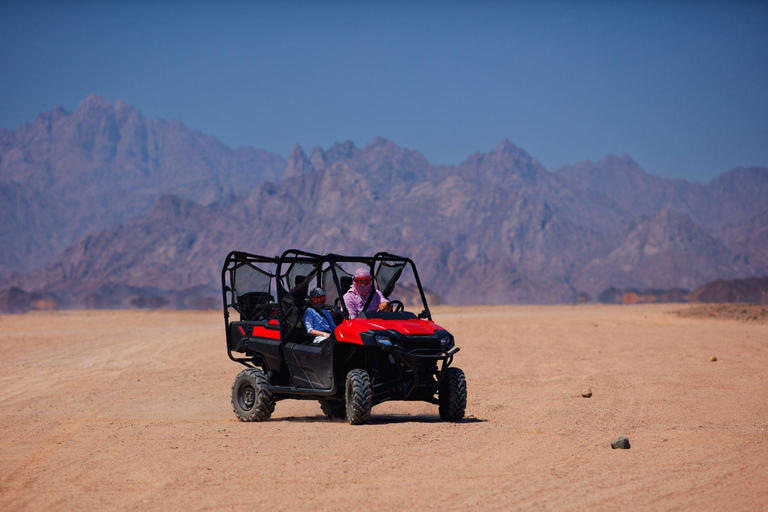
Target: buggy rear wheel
<point>359,397</point>
<point>452,397</point>
<point>251,399</point>
<point>333,409</point>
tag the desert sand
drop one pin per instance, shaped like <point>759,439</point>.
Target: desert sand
<point>130,410</point>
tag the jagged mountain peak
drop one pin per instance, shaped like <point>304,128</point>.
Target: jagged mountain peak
<point>611,166</point>
<point>51,116</point>
<point>380,142</point>
<point>619,163</point>
<point>298,163</point>
<point>123,109</point>
<point>505,146</point>
<point>95,102</point>
<point>317,158</point>
<point>742,175</point>
<point>340,150</point>
<point>297,153</point>
<point>506,164</point>
<point>505,152</point>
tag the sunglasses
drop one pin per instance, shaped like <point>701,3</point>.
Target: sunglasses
<point>317,300</point>
<point>362,280</point>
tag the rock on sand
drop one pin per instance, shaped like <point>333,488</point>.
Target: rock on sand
<point>621,443</point>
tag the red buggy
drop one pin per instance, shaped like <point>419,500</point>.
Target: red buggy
<point>375,357</point>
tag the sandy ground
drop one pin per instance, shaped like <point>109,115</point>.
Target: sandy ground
<point>130,410</point>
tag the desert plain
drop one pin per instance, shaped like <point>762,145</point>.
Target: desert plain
<point>130,410</point>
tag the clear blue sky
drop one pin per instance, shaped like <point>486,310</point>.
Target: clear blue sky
<point>681,87</point>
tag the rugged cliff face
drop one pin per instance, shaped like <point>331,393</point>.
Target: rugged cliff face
<point>69,174</point>
<point>496,228</point>
<point>750,238</point>
<point>667,249</point>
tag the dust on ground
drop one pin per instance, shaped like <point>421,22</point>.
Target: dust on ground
<point>130,410</point>
<point>741,312</point>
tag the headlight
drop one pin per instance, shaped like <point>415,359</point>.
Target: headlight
<point>383,341</point>
<point>446,341</point>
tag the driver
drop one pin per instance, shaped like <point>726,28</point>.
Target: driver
<point>318,321</point>
<point>359,292</point>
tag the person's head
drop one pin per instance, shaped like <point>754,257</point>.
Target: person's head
<point>317,298</point>
<point>362,280</point>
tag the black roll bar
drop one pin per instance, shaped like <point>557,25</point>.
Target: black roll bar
<point>235,259</point>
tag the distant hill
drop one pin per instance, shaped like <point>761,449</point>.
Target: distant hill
<point>754,291</point>
<point>496,228</point>
<point>666,249</point>
<point>68,174</point>
<point>731,198</point>
<point>635,191</point>
<point>750,237</point>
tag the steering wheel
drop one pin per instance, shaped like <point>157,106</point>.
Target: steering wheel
<point>397,306</point>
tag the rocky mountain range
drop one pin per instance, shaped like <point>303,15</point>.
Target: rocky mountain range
<point>69,174</point>
<point>102,205</point>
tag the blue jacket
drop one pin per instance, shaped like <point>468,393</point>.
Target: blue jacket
<point>318,320</point>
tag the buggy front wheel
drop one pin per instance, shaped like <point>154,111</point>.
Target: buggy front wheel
<point>359,397</point>
<point>452,397</point>
<point>251,399</point>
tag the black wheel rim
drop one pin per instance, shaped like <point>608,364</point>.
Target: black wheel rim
<point>246,397</point>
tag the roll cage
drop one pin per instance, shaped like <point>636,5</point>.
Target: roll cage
<point>247,279</point>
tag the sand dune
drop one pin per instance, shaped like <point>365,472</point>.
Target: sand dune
<point>130,410</point>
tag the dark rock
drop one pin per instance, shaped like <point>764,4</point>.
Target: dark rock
<point>621,443</point>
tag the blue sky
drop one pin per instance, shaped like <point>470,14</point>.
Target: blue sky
<point>680,86</point>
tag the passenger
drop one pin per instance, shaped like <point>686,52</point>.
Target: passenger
<point>318,321</point>
<point>359,292</point>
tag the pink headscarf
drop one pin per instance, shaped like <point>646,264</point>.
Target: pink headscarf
<point>362,290</point>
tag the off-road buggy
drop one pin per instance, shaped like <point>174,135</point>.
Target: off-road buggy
<point>373,358</point>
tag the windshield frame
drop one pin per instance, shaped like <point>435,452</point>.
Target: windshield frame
<point>294,255</point>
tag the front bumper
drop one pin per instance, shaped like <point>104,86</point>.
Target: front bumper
<point>420,353</point>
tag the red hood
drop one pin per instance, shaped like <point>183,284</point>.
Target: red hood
<point>349,330</point>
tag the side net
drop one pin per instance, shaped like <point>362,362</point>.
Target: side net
<point>387,275</point>
<point>251,287</point>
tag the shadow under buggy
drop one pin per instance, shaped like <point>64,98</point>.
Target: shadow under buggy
<point>373,358</point>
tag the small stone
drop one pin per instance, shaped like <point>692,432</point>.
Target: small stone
<point>586,393</point>
<point>621,443</point>
<point>712,359</point>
